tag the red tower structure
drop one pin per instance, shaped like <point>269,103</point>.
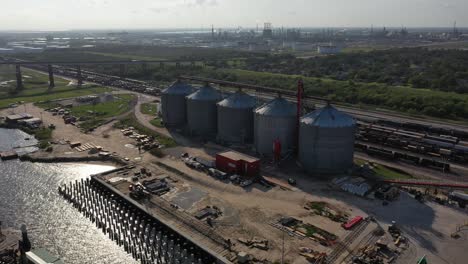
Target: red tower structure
<point>300,95</point>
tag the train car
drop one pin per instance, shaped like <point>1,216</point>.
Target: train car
<point>460,198</point>
<point>416,126</point>
<point>438,165</point>
<point>446,139</point>
<point>416,136</point>
<point>409,158</point>
<point>439,144</point>
<point>381,152</point>
<point>445,152</point>
<point>460,134</point>
<point>389,122</point>
<point>360,146</point>
<point>352,223</point>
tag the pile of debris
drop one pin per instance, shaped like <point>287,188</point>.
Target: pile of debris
<point>324,209</point>
<point>357,186</point>
<point>380,252</point>
<point>208,212</point>
<point>306,230</point>
<point>156,186</point>
<point>255,243</point>
<point>387,193</point>
<point>313,256</point>
<point>365,170</point>
<point>144,141</point>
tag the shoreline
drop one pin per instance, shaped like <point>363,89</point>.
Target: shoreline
<point>63,159</point>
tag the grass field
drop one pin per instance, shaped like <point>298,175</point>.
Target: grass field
<point>97,114</point>
<point>384,171</point>
<point>157,122</point>
<point>149,108</point>
<point>372,96</point>
<point>36,88</point>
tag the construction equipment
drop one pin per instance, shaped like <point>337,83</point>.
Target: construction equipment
<point>422,260</point>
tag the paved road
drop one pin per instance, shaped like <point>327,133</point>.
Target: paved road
<point>145,119</point>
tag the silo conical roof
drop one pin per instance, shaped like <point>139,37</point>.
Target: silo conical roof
<point>328,116</point>
<point>277,107</point>
<point>205,93</point>
<point>238,100</point>
<point>178,87</point>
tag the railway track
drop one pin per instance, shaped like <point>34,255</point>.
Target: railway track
<point>343,245</point>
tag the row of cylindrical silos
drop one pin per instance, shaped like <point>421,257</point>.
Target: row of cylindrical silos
<point>326,136</point>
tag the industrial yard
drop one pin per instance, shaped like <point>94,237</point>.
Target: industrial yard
<point>234,186</point>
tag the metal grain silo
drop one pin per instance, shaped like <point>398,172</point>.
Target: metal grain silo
<point>173,105</point>
<point>202,112</point>
<point>326,141</point>
<point>235,118</point>
<point>275,120</point>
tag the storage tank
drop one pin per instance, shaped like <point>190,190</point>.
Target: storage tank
<point>235,118</point>
<point>173,104</point>
<point>202,112</point>
<point>275,120</point>
<point>326,141</point>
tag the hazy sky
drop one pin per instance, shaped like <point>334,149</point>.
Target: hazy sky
<point>129,14</point>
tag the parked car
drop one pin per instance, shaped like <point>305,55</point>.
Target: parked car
<point>246,183</point>
<point>292,181</point>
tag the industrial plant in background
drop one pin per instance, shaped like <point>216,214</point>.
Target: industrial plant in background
<point>323,139</point>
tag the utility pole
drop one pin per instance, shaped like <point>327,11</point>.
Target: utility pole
<point>282,249</point>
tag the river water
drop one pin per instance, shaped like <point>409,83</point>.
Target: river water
<point>28,195</point>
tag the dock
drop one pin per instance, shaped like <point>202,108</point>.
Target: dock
<point>8,155</point>
<point>151,230</point>
<point>8,245</point>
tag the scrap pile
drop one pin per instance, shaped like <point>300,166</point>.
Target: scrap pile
<point>324,209</point>
<point>208,212</point>
<point>144,141</point>
<point>305,230</point>
<point>380,252</point>
<point>357,185</point>
<point>313,256</point>
<point>156,186</point>
<point>255,243</point>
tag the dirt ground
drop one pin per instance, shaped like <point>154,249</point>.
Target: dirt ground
<point>248,212</point>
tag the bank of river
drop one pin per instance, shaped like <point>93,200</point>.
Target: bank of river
<point>28,195</point>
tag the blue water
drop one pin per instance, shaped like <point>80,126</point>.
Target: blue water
<point>28,195</point>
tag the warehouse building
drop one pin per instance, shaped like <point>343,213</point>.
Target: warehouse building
<point>238,163</point>
<point>17,117</point>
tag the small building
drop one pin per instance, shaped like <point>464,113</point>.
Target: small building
<point>17,117</point>
<point>238,163</point>
<point>328,49</point>
<point>42,256</point>
<point>31,122</point>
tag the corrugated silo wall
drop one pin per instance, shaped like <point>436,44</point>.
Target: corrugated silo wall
<point>326,150</point>
<point>269,128</point>
<point>173,110</point>
<point>202,118</point>
<point>235,125</point>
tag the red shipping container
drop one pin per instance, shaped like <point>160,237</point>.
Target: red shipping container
<point>237,163</point>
